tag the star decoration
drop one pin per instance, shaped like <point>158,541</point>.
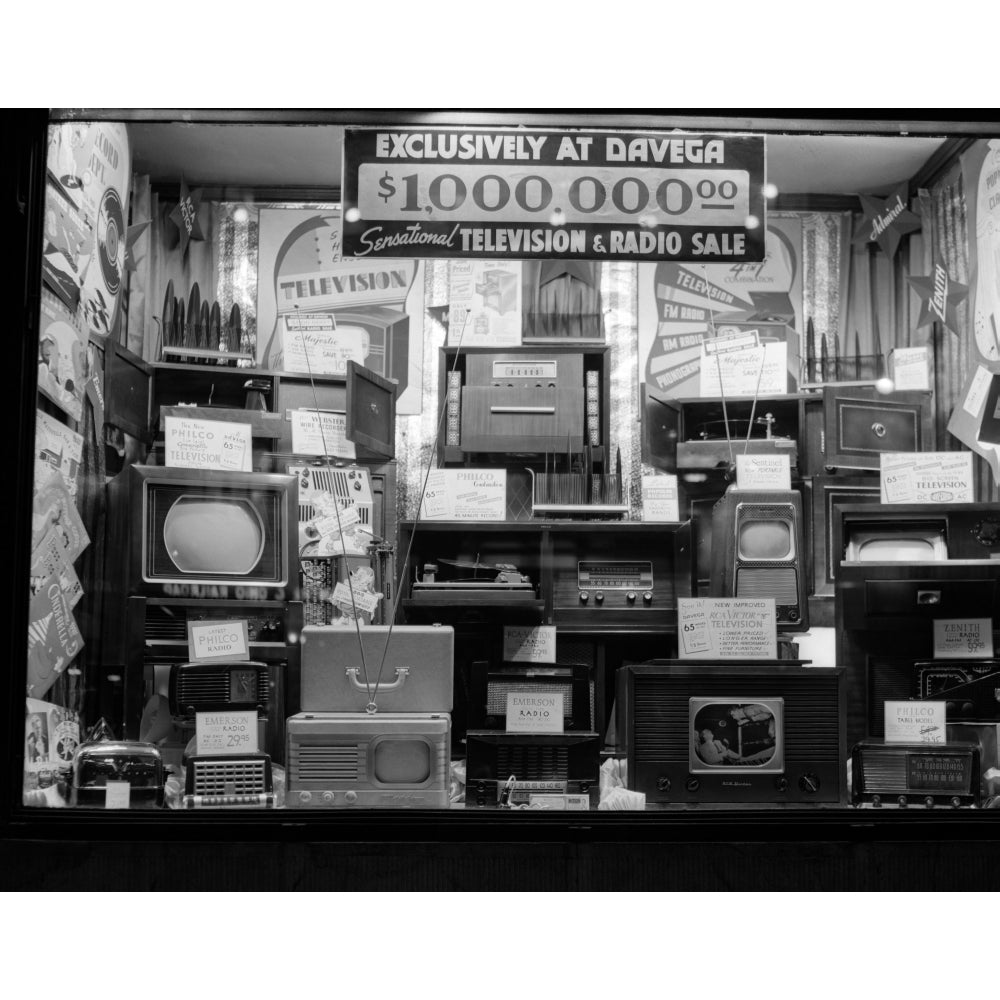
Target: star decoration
<point>131,236</point>
<point>185,216</point>
<point>886,222</point>
<point>440,313</point>
<point>939,297</point>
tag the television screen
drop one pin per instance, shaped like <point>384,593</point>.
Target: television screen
<point>213,535</point>
<point>729,735</point>
<point>401,762</point>
<point>902,546</point>
<point>769,539</point>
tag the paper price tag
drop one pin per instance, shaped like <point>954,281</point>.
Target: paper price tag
<point>763,472</point>
<point>727,628</point>
<point>320,432</point>
<point>190,443</point>
<point>660,499</point>
<point>915,722</point>
<point>692,626</point>
<point>927,477</point>
<point>529,644</point>
<point>898,486</point>
<point>117,795</point>
<point>528,712</point>
<point>962,639</point>
<point>364,600</point>
<point>218,641</point>
<point>226,732</point>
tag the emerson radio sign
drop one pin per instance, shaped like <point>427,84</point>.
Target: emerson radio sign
<point>539,194</point>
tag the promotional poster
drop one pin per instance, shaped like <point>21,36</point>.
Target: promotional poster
<point>333,309</point>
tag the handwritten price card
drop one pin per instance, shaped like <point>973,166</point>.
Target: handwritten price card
<point>226,732</point>
<point>727,628</point>
<point>191,443</point>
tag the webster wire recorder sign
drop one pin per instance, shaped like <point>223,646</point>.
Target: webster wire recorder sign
<point>525,194</point>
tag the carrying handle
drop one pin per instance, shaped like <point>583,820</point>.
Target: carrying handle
<point>401,673</point>
<point>531,410</point>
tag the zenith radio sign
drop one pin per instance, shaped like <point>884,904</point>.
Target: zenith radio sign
<point>539,194</point>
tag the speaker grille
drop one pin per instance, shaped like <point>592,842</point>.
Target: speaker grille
<point>779,582</point>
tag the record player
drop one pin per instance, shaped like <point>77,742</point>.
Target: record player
<point>446,582</point>
<point>713,442</point>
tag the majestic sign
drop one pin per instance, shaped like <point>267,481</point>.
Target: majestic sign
<point>539,194</point>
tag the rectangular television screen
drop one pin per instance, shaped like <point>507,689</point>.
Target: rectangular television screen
<point>730,735</point>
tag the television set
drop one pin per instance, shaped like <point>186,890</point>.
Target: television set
<point>757,551</point>
<point>204,533</point>
<point>381,761</point>
<point>757,733</point>
<point>916,532</point>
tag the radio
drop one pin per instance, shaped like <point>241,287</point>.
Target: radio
<point>969,688</point>
<point>523,402</point>
<point>228,781</point>
<point>489,687</point>
<point>355,761</point>
<point>757,551</point>
<point>929,774</point>
<point>620,574</point>
<point>102,770</point>
<point>539,763</point>
<point>413,665</point>
<point>752,733</point>
<point>351,484</point>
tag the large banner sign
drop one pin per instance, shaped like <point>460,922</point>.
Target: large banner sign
<point>540,194</point>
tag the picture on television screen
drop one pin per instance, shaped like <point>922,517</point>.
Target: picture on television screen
<point>734,734</point>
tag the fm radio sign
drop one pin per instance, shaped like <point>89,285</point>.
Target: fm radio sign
<point>541,194</point>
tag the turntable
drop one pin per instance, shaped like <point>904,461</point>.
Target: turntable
<point>451,581</point>
<point>711,447</point>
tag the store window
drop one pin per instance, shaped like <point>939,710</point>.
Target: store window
<point>494,469</point>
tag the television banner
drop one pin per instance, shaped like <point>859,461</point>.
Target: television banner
<point>522,194</point>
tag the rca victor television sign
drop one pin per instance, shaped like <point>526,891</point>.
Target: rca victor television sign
<point>526,194</point>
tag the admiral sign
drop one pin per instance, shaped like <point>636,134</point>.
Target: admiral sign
<point>539,194</point>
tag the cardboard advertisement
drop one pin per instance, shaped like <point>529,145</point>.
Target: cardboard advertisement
<point>377,305</point>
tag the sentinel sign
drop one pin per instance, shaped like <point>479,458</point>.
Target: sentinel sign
<point>539,194</point>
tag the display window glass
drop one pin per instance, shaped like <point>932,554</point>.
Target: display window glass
<point>500,469</point>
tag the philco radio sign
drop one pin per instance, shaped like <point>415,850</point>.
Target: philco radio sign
<point>530,194</point>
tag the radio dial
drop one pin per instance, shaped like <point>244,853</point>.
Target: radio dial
<point>305,796</point>
<point>809,783</point>
<point>692,784</point>
<point>599,597</point>
<point>328,797</point>
<point>584,597</point>
<point>630,597</point>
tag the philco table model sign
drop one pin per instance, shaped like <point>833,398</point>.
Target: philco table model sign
<point>539,194</point>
